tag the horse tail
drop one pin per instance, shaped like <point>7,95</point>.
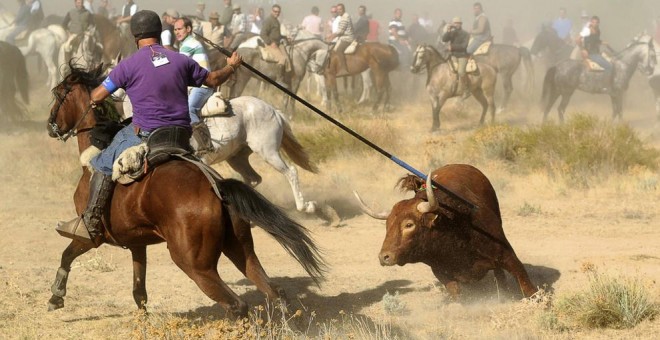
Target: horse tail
<point>526,57</point>
<point>548,85</point>
<point>294,150</point>
<point>22,77</point>
<point>293,237</point>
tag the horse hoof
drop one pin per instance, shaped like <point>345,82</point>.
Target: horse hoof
<point>238,312</point>
<point>55,303</point>
<point>310,207</point>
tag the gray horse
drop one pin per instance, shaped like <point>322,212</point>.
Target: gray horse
<point>569,75</point>
<point>301,50</point>
<point>654,81</point>
<point>441,82</point>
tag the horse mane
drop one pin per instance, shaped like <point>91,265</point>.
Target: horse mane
<point>88,78</point>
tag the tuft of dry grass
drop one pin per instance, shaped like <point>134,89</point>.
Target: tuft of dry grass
<point>608,302</point>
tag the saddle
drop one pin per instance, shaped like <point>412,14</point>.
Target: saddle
<point>483,49</point>
<point>471,67</point>
<point>595,67</point>
<point>351,48</point>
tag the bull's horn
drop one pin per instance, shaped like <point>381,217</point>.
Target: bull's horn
<point>433,203</point>
<point>365,209</point>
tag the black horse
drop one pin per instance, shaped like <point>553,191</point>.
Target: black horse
<point>554,48</point>
<point>569,75</point>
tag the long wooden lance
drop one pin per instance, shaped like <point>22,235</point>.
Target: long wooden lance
<point>393,158</point>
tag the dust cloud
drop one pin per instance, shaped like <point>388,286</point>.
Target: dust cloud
<point>619,19</point>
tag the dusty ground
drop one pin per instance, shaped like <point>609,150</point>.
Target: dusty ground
<point>614,225</point>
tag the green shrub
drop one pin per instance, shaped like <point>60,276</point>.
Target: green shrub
<point>583,147</point>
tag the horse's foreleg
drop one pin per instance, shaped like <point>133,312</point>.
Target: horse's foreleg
<point>617,106</point>
<point>139,255</point>
<point>58,288</point>
<point>508,89</point>
<point>239,249</point>
<point>379,80</point>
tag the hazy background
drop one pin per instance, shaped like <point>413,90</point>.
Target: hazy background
<point>620,19</point>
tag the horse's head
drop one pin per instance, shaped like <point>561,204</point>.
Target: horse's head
<point>71,102</point>
<point>646,45</point>
<point>420,58</point>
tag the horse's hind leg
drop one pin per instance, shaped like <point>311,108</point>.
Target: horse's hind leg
<point>239,249</point>
<point>58,288</point>
<point>240,163</point>
<point>274,158</point>
<point>139,255</point>
<point>479,96</point>
<point>508,89</point>
<point>561,109</point>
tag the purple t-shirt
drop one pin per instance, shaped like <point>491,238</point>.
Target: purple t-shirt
<point>159,94</point>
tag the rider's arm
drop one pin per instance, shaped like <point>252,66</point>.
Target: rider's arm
<point>217,77</point>
<point>99,94</point>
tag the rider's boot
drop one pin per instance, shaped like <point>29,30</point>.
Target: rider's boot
<point>202,136</point>
<point>465,86</point>
<point>88,228</point>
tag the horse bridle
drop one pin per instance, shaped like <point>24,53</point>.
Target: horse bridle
<point>74,130</point>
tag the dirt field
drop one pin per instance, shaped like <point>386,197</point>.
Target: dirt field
<point>614,225</point>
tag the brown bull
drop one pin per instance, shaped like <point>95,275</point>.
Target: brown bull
<point>459,245</point>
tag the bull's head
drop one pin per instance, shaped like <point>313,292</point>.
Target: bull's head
<point>408,224</point>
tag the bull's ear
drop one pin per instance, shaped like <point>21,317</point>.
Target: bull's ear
<point>428,220</point>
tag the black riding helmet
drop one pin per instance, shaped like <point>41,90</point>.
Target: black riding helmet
<point>146,24</point>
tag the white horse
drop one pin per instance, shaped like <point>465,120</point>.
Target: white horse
<point>43,41</point>
<point>654,80</point>
<point>252,125</point>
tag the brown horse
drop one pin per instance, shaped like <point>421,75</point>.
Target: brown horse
<point>114,43</point>
<point>380,58</point>
<point>175,203</point>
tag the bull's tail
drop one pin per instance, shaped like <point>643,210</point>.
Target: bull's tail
<point>526,57</point>
<point>294,150</point>
<point>548,86</point>
<point>252,206</point>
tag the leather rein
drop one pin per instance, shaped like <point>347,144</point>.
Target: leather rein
<point>74,131</point>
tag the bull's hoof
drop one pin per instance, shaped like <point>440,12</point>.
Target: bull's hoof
<point>55,303</point>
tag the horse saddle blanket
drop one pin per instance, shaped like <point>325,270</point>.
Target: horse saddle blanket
<point>351,48</point>
<point>471,66</point>
<point>216,106</point>
<point>483,49</point>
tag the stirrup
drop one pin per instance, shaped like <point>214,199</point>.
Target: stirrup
<point>76,229</point>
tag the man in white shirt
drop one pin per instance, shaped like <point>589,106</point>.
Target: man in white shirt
<point>239,26</point>
<point>312,23</point>
<point>166,37</point>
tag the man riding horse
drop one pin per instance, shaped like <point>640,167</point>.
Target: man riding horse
<point>590,44</point>
<point>480,29</point>
<point>343,37</point>
<point>157,80</point>
<point>77,21</point>
<point>458,42</point>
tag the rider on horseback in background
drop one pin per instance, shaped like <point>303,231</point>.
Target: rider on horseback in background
<point>76,21</point>
<point>157,81</point>
<point>480,29</point>
<point>343,37</point>
<point>458,41</point>
<point>20,21</point>
<point>590,43</point>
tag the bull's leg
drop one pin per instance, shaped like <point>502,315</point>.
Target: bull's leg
<point>450,284</point>
<point>201,267</point>
<point>239,248</point>
<point>240,163</point>
<point>58,288</point>
<point>512,264</point>
<point>139,255</point>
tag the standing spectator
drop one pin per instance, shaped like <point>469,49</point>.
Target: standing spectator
<point>104,9</point>
<point>199,12</point>
<point>398,36</point>
<point>416,32</point>
<point>480,28</point>
<point>89,5</point>
<point>374,30</point>
<point>272,37</point>
<point>239,26</point>
<point>509,35</point>
<point>166,37</point>
<point>563,25</point>
<point>198,96</point>
<point>312,23</point>
<point>362,25</point>
<point>225,20</point>
<point>256,20</point>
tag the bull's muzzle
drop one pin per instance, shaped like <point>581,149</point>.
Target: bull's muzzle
<point>386,259</point>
